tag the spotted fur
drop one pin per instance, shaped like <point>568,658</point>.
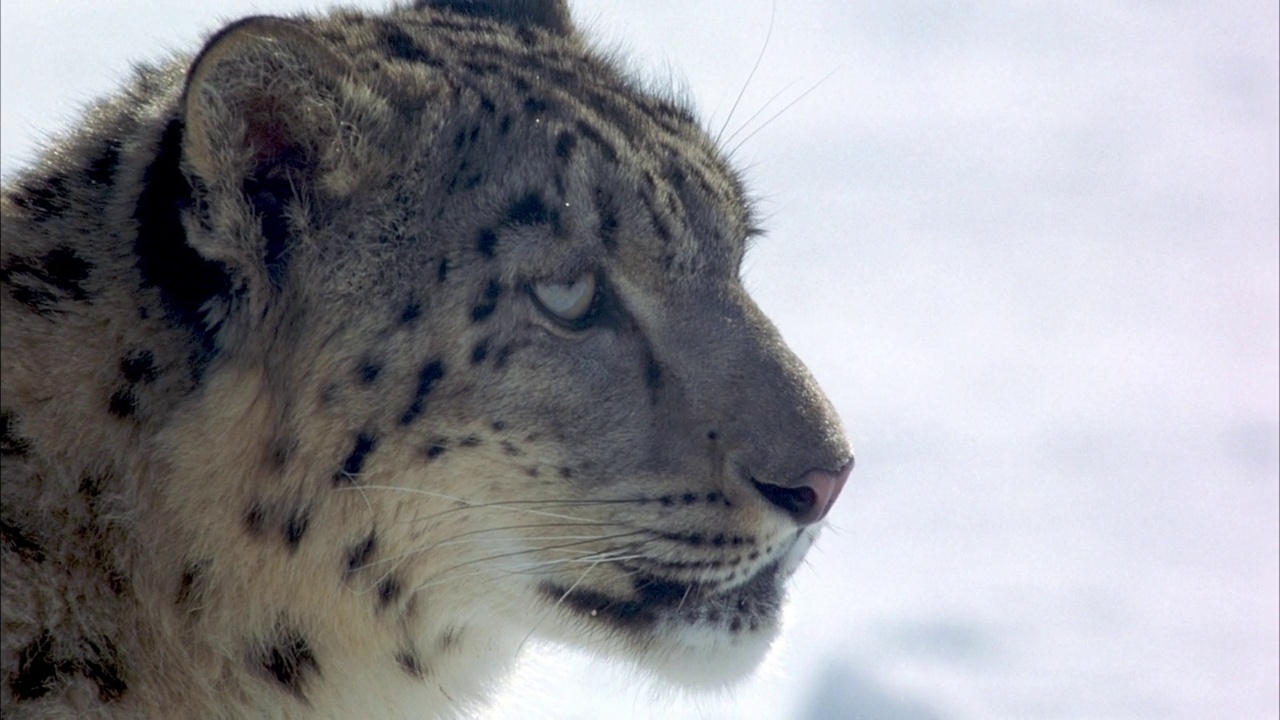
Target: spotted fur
<point>286,431</point>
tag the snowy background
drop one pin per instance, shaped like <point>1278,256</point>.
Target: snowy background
<point>1031,250</point>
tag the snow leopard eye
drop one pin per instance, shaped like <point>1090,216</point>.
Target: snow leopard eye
<point>567,302</point>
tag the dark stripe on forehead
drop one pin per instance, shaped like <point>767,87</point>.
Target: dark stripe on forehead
<point>400,45</point>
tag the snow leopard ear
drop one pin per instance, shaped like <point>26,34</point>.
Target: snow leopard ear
<point>551,15</point>
<point>263,90</point>
<point>260,108</point>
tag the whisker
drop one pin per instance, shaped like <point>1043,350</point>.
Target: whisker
<point>768,34</point>
<point>785,108</point>
<point>757,113</point>
<point>532,568</point>
<point>517,553</point>
<point>685,596</point>
<point>558,603</point>
<point>513,505</point>
<point>469,537</point>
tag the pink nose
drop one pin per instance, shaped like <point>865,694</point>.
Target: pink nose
<point>810,498</point>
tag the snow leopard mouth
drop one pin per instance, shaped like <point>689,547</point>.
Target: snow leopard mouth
<point>751,606</point>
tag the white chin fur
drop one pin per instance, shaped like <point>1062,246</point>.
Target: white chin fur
<point>707,658</point>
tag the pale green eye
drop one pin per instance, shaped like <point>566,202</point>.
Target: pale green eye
<point>567,301</point>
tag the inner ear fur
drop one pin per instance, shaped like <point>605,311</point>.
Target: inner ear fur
<point>262,91</point>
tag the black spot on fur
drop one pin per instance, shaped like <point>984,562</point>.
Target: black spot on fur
<point>486,242</point>
<point>34,299</point>
<point>482,311</point>
<point>290,662</point>
<point>459,140</point>
<point>479,352</point>
<point>388,590</point>
<point>477,68</point>
<point>412,311</point>
<point>527,36</point>
<point>91,485</point>
<point>11,443</point>
<point>521,16</point>
<point>292,525</point>
<point>255,519</point>
<point>369,371</point>
<point>103,668</point>
<point>295,527</point>
<point>437,448</point>
<point>46,198</point>
<point>536,106</point>
<point>608,231</point>
<point>449,639</point>
<point>354,463</point>
<point>504,354</point>
<point>189,583</point>
<point>428,376</point>
<point>138,367</point>
<point>592,134</point>
<point>358,556</point>
<point>529,210</point>
<point>102,169</point>
<point>122,404</point>
<point>469,441</point>
<point>66,270</point>
<point>664,234</point>
<point>38,669</point>
<point>675,176</point>
<point>41,283</point>
<point>21,542</point>
<point>566,472</point>
<point>402,46</point>
<point>565,143</point>
<point>186,280</point>
<point>504,125</point>
<point>653,373</point>
<point>409,662</point>
<point>442,270</point>
<point>491,294</point>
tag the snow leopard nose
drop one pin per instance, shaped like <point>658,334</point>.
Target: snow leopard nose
<point>809,498</point>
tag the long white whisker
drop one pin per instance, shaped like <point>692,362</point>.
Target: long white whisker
<point>535,567</point>
<point>469,504</point>
<point>560,601</point>
<point>684,597</point>
<point>768,34</point>
<point>757,113</point>
<point>785,108</point>
<point>469,537</point>
<point>517,553</point>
